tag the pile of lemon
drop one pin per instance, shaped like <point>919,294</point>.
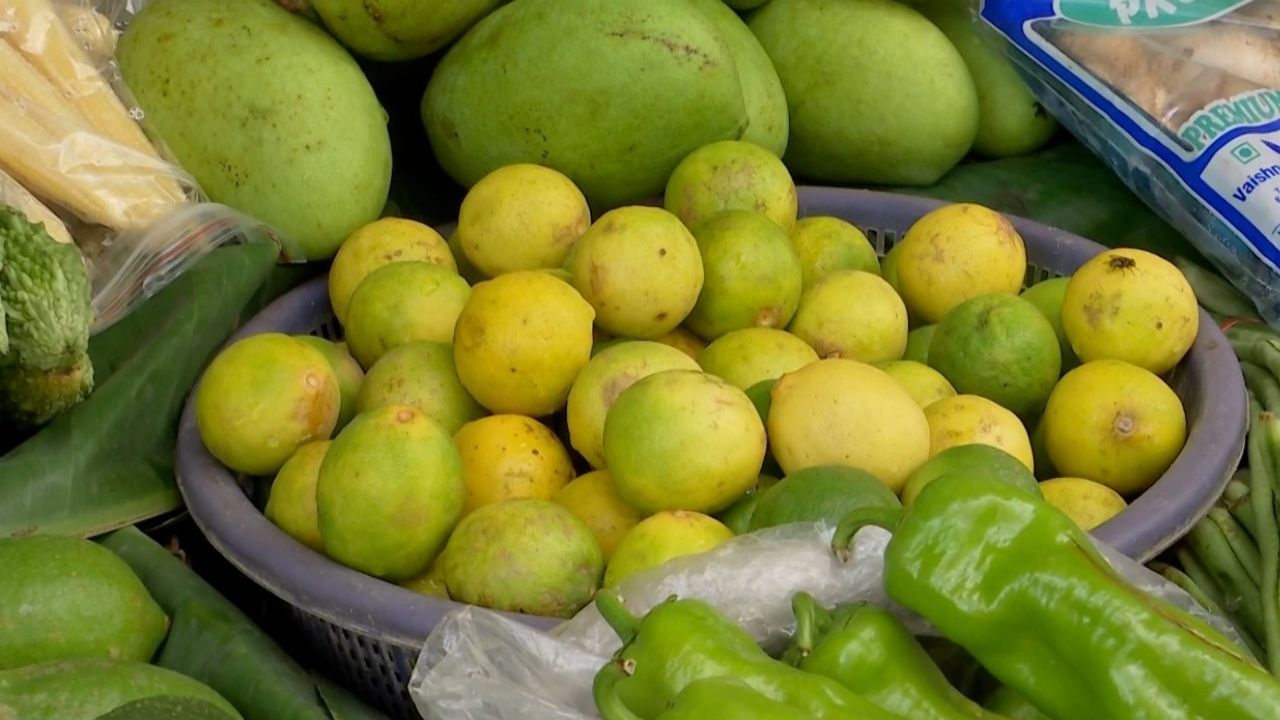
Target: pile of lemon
<point>546,402</point>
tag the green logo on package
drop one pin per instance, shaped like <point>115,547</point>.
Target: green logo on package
<point>1139,14</point>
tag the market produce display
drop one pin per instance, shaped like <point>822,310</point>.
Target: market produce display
<point>635,348</point>
<point>491,397</point>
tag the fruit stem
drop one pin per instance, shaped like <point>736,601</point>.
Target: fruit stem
<point>616,614</point>
<point>885,517</point>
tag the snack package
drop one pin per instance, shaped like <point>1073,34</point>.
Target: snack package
<point>1181,98</point>
<point>74,157</point>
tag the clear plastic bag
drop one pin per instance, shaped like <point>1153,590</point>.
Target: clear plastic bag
<point>74,156</point>
<point>1181,98</point>
<point>480,665</point>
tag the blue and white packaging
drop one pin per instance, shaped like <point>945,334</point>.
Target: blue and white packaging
<point>1181,98</point>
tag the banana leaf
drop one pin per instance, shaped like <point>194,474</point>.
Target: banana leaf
<point>109,462</point>
<point>212,641</point>
<point>1067,187</point>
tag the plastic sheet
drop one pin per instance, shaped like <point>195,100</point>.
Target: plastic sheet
<point>1182,100</point>
<point>479,665</point>
<point>74,156</point>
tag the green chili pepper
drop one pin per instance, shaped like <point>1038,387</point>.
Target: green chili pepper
<point>869,651</point>
<point>702,699</point>
<point>1012,705</point>
<point>1012,580</point>
<point>682,640</point>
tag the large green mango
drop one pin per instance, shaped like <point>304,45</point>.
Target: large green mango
<point>876,92</point>
<point>64,597</point>
<point>88,688</point>
<point>613,93</point>
<point>269,113</point>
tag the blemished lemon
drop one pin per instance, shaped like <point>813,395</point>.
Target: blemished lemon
<point>521,217</point>
<point>291,502</point>
<point>964,419</point>
<point>401,303</point>
<point>1130,305</point>
<point>662,537</point>
<point>510,456</point>
<point>379,243</point>
<point>1115,423</point>
<point>520,341</point>
<point>731,175</point>
<point>747,356</point>
<point>957,252</point>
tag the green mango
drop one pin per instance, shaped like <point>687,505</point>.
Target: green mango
<point>761,88</point>
<point>64,597</point>
<point>266,110</point>
<point>86,689</point>
<point>875,92</point>
<point>1010,119</point>
<point>394,30</point>
<point>612,93</point>
<point>167,707</point>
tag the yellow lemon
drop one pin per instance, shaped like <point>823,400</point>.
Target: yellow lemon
<point>1130,305</point>
<point>291,502</point>
<point>379,243</point>
<point>684,340</point>
<point>521,217</point>
<point>925,384</point>
<point>1088,503</point>
<point>965,419</point>
<point>843,412</point>
<point>731,175</point>
<point>1114,423</point>
<point>852,314</point>
<point>747,356</point>
<point>595,500</point>
<point>826,244</point>
<point>520,342</point>
<point>955,253</point>
<point>662,537</point>
<point>510,456</point>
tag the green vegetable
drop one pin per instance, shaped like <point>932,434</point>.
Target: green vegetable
<point>1012,580</point>
<point>1012,705</point>
<point>45,316</point>
<point>86,688</point>
<point>168,707</point>
<point>868,650</point>
<point>682,640</point>
<point>710,697</point>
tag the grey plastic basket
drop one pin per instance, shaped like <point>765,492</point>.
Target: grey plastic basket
<point>369,632</point>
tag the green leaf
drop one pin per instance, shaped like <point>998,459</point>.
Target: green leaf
<point>109,462</point>
<point>214,642</point>
<point>1067,187</point>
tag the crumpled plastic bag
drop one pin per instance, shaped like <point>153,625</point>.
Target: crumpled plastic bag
<point>481,665</point>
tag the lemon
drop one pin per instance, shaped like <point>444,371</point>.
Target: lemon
<point>262,398</point>
<point>852,314</point>
<point>611,371</point>
<point>684,340</point>
<point>843,412</point>
<point>430,582</point>
<point>826,244</point>
<point>752,275</point>
<point>737,517</point>
<point>420,375</point>
<point>1087,503</point>
<point>379,243</point>
<point>594,499</point>
<point>640,269</point>
<point>957,252</point>
<point>662,537</point>
<point>1000,347</point>
<point>925,384</point>
<point>521,217</point>
<point>401,303</point>
<point>520,341</point>
<point>747,356</point>
<point>291,502</point>
<point>345,368</point>
<point>1047,296</point>
<point>731,175</point>
<point>1114,423</point>
<point>683,440</point>
<point>510,456</point>
<point>1130,305</point>
<point>965,419</point>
